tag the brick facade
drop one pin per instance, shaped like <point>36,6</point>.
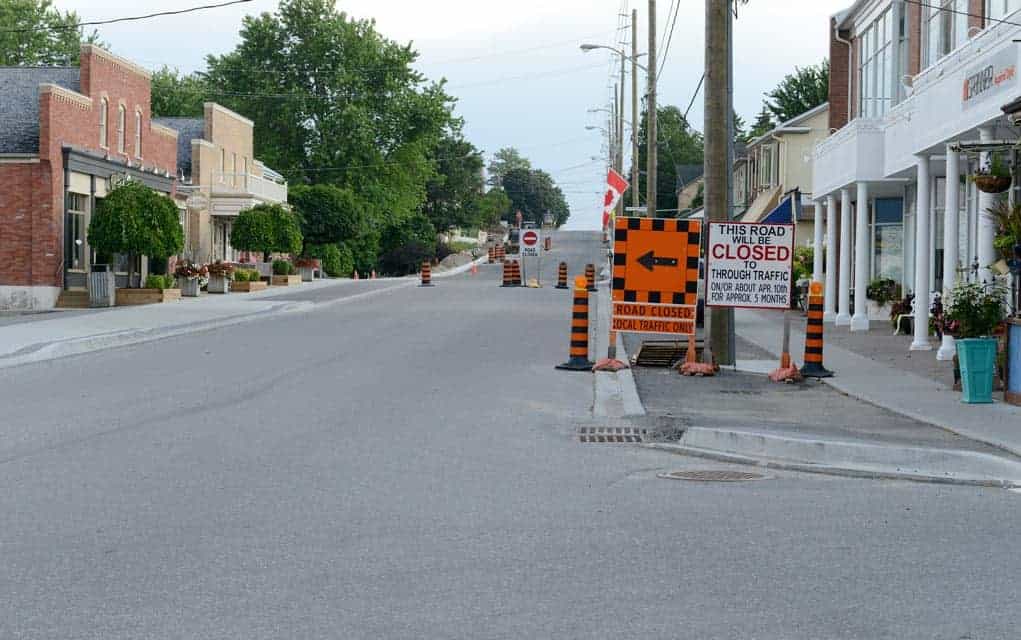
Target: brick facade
<point>839,79</point>
<point>32,189</point>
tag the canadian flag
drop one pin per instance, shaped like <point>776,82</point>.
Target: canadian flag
<point>616,185</point>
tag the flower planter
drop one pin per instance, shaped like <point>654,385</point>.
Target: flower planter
<point>189,287</point>
<point>307,273</point>
<point>218,284</point>
<point>877,311</point>
<point>977,358</point>
<point>992,184</point>
<point>129,297</point>
<point>247,287</point>
<point>285,281</point>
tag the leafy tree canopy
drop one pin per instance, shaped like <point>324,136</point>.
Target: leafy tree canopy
<point>763,124</point>
<point>678,144</point>
<point>177,94</point>
<point>534,193</point>
<point>268,228</point>
<point>504,161</point>
<point>327,214</point>
<point>453,194</point>
<point>801,91</point>
<point>493,207</point>
<point>50,36</point>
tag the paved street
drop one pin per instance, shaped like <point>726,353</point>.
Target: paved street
<point>405,466</point>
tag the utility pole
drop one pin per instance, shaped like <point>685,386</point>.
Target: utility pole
<point>718,118</point>
<point>634,109</point>
<point>619,151</point>
<point>650,135</point>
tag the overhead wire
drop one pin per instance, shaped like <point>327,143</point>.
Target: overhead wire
<point>148,16</point>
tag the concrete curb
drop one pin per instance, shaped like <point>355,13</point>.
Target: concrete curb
<point>459,270</point>
<point>848,458</point>
<point>615,394</point>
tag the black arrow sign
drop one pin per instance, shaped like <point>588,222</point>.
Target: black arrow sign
<point>649,261</point>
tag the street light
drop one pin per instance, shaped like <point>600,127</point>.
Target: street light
<point>592,47</point>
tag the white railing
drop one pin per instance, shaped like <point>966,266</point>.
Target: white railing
<point>246,183</point>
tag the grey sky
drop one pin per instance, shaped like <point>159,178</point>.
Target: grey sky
<point>515,67</point>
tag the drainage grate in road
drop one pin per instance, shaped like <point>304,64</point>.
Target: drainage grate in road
<point>610,435</point>
<point>739,392</point>
<point>708,475</point>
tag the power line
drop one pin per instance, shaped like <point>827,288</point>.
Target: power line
<point>95,23</point>
<point>670,38</point>
<point>701,81</point>
<point>920,3</point>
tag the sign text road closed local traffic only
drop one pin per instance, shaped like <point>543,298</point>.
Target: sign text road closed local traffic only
<point>749,265</point>
<point>530,245</point>
<point>642,317</point>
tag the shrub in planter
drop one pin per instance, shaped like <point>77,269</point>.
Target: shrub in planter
<point>306,267</point>
<point>994,177</point>
<point>189,277</point>
<point>973,314</point>
<point>331,259</point>
<point>220,275</point>
<point>282,268</point>
<point>883,291</point>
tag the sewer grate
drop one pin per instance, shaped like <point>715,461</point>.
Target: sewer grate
<point>610,435</point>
<point>711,476</point>
<point>739,392</point>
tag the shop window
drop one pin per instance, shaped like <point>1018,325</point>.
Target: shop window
<point>74,233</point>
<point>888,239</point>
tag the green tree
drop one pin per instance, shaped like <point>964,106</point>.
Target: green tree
<point>801,91</point>
<point>453,194</point>
<point>493,207</point>
<point>134,220</point>
<point>504,161</point>
<point>678,144</point>
<point>177,94</point>
<point>406,244</point>
<point>327,214</point>
<point>534,193</point>
<point>33,32</point>
<point>763,124</point>
<point>266,228</point>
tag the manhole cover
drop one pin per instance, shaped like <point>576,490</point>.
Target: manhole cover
<point>711,476</point>
<point>612,435</point>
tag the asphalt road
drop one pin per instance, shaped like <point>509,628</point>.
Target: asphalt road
<point>405,466</point>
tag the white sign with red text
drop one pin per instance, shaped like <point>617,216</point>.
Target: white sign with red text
<point>530,245</point>
<point>749,265</point>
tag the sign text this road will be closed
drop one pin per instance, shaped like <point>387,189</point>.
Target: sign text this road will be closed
<point>749,265</point>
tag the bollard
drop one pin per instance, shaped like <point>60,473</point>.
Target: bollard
<point>562,276</point>
<point>491,258</point>
<point>516,272</point>
<point>508,276</point>
<point>548,243</point>
<point>427,275</point>
<point>813,335</point>
<point>579,330</point>
<point>590,276</point>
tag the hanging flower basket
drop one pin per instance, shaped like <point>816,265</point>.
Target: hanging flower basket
<point>991,184</point>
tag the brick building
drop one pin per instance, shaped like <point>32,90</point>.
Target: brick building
<point>66,135</point>
<point>219,178</point>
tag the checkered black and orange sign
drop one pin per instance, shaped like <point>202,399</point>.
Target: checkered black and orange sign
<point>655,275</point>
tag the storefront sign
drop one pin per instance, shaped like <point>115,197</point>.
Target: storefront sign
<point>749,265</point>
<point>990,78</point>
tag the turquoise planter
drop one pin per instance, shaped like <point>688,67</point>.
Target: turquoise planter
<point>977,357</point>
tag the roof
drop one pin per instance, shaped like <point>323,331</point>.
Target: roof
<point>791,125</point>
<point>688,173</point>
<point>188,129</point>
<point>19,103</point>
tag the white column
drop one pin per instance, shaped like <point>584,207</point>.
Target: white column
<point>817,242</point>
<point>951,241</point>
<point>986,225</point>
<point>830,293</point>
<point>844,298</point>
<point>923,212</point>
<point>860,321</point>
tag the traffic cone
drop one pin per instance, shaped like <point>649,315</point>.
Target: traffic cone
<point>356,275</point>
<point>813,335</point>
<point>427,275</point>
<point>508,276</point>
<point>578,352</point>
<point>562,276</point>
<point>475,269</point>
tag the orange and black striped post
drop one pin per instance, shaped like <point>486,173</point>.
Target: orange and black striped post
<point>508,275</point>
<point>547,243</point>
<point>427,275</point>
<point>813,335</point>
<point>579,330</point>
<point>562,276</point>
<point>501,253</point>
<point>516,272</point>
<point>491,258</point>
<point>590,277</point>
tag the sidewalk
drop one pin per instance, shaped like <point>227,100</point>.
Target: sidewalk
<point>909,384</point>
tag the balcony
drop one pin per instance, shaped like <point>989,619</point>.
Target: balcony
<point>850,155</point>
<point>242,185</point>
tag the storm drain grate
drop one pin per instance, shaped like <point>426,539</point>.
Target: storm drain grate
<point>610,435</point>
<point>712,476</point>
<point>739,392</point>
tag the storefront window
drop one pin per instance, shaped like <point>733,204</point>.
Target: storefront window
<point>888,224</point>
<point>74,233</point>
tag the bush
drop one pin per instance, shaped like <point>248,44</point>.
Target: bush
<point>246,275</point>
<point>188,269</point>
<point>220,268</point>
<point>266,228</point>
<point>153,281</point>
<point>282,268</point>
<point>883,291</point>
<point>406,259</point>
<point>443,250</point>
<point>332,260</point>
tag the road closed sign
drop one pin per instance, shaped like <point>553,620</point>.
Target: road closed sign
<point>530,245</point>
<point>749,265</point>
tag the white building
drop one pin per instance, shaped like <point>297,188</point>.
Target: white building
<point>909,81</point>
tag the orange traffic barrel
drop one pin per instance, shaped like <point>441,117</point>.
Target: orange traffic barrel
<point>508,275</point>
<point>548,243</point>
<point>562,276</point>
<point>590,277</point>
<point>578,360</point>
<point>427,275</point>
<point>813,335</point>
<point>491,258</point>
<point>516,272</point>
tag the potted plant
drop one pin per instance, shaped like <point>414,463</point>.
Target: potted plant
<point>972,315</point>
<point>247,280</point>
<point>898,310</point>
<point>306,267</point>
<point>220,275</point>
<point>189,277</point>
<point>995,177</point>
<point>284,274</point>
<point>880,293</point>
<point>157,289</point>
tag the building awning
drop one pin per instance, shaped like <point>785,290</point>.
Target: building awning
<point>787,212</point>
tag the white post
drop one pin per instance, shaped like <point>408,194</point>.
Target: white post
<point>923,211</point>
<point>844,304</point>
<point>830,293</point>
<point>860,321</point>
<point>986,225</point>
<point>817,242</point>
<point>951,241</point>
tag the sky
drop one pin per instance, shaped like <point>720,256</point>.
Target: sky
<point>516,68</point>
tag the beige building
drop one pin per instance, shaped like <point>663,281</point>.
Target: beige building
<point>219,178</point>
<point>777,163</point>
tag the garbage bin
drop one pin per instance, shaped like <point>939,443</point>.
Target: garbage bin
<point>1013,393</point>
<point>102,286</point>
